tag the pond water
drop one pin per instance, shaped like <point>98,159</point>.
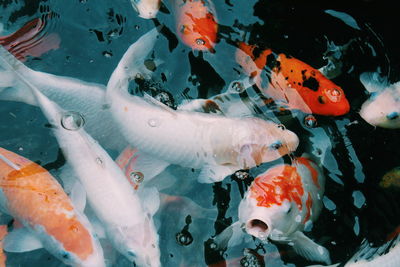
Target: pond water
<point>85,39</point>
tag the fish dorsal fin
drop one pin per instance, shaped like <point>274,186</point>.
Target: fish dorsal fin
<point>21,240</point>
<point>308,249</point>
<point>373,82</point>
<point>155,102</point>
<point>150,198</point>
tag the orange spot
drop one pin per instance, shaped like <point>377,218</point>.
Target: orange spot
<point>125,109</point>
<point>35,197</point>
<point>308,206</point>
<point>279,183</point>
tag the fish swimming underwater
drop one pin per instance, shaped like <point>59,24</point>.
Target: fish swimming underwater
<point>31,39</point>
<point>382,109</point>
<point>125,216</point>
<point>218,145</point>
<point>32,195</point>
<point>147,9</point>
<point>291,82</point>
<point>280,203</point>
<point>391,179</point>
<point>196,23</point>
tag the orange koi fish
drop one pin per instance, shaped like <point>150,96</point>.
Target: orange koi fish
<point>196,24</point>
<point>3,256</point>
<point>33,196</point>
<point>31,40</point>
<point>292,82</point>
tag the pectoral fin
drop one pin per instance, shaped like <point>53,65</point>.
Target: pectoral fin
<point>215,173</point>
<point>21,240</point>
<point>232,235</point>
<point>78,196</point>
<point>308,249</point>
<point>150,198</point>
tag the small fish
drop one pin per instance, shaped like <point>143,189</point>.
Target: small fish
<point>292,82</point>
<point>147,9</point>
<point>3,256</point>
<point>196,23</point>
<point>33,196</point>
<point>126,217</point>
<point>281,203</point>
<point>382,109</point>
<point>218,145</point>
<point>31,40</point>
<point>391,178</point>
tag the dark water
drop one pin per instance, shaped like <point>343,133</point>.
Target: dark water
<point>95,34</point>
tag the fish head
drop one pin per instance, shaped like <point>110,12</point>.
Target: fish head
<point>147,9</point>
<point>383,110</point>
<point>197,26</point>
<point>272,206</point>
<point>264,141</point>
<point>330,100</point>
<point>138,243</point>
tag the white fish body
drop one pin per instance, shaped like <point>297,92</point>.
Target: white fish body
<point>128,225</point>
<point>383,107</point>
<point>147,9</point>
<point>71,94</point>
<point>219,145</point>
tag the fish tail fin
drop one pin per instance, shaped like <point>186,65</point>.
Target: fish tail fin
<point>373,82</point>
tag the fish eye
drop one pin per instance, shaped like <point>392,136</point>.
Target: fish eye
<point>281,126</point>
<point>200,41</point>
<point>289,210</point>
<point>392,116</point>
<point>321,99</point>
<point>276,145</point>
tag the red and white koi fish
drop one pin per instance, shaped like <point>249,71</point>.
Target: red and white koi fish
<point>147,9</point>
<point>280,203</point>
<point>383,107</point>
<point>292,83</point>
<point>33,196</point>
<point>218,145</point>
<point>196,23</point>
<point>125,216</point>
<point>31,40</point>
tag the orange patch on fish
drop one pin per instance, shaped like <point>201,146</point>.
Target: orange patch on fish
<point>35,197</point>
<point>30,40</point>
<point>278,184</point>
<point>196,25</point>
<point>314,173</point>
<point>3,256</point>
<point>292,81</point>
<point>308,206</point>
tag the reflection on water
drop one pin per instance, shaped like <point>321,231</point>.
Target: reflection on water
<point>86,39</point>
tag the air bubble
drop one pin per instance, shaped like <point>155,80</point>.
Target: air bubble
<point>200,42</point>
<point>237,87</point>
<point>184,238</point>
<point>153,122</point>
<point>310,121</point>
<point>72,121</point>
<point>136,177</point>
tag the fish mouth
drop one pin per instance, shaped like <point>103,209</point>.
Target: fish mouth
<point>258,227</point>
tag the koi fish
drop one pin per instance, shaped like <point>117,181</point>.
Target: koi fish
<point>31,40</point>
<point>391,178</point>
<point>196,23</point>
<point>382,109</point>
<point>147,9</point>
<point>217,145</point>
<point>292,82</point>
<point>33,196</point>
<point>126,221</point>
<point>3,256</point>
<point>280,203</point>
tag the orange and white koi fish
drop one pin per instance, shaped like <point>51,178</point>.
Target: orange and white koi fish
<point>147,9</point>
<point>291,82</point>
<point>33,196</point>
<point>31,40</point>
<point>382,109</point>
<point>218,145</point>
<point>280,203</point>
<point>196,23</point>
<point>3,256</point>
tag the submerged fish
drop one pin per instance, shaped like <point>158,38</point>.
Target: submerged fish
<point>218,145</point>
<point>391,178</point>
<point>382,109</point>
<point>291,82</point>
<point>196,23</point>
<point>280,203</point>
<point>31,40</point>
<point>125,216</point>
<point>147,9</point>
<point>32,195</point>
<point>3,256</point>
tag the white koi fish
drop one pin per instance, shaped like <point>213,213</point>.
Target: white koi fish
<point>127,222</point>
<point>279,204</point>
<point>30,194</point>
<point>383,107</point>
<point>147,9</point>
<point>218,145</point>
